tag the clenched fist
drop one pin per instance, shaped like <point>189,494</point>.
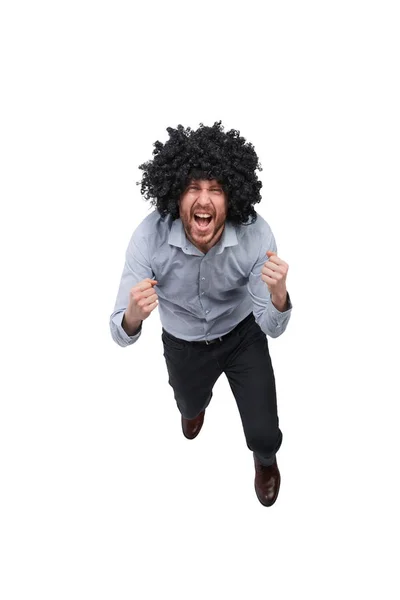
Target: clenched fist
<point>274,274</point>
<point>142,301</point>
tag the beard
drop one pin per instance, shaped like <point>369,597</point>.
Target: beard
<point>203,236</point>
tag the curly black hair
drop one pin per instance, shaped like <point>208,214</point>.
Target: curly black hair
<point>205,153</point>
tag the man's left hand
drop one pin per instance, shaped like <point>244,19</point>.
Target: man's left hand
<point>274,274</point>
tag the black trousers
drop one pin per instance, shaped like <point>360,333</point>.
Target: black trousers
<point>243,355</point>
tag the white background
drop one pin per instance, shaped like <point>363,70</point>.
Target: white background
<point>102,496</point>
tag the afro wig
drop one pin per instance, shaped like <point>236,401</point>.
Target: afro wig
<point>205,153</point>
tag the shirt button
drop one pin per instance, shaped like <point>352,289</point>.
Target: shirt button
<point>202,293</point>
<point>203,278</point>
<point>207,311</point>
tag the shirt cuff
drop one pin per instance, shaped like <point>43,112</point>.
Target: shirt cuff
<point>128,339</point>
<point>276,312</point>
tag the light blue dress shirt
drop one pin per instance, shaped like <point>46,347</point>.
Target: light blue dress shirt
<point>200,296</point>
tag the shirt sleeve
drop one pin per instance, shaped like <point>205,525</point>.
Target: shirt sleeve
<point>269,318</point>
<point>137,267</point>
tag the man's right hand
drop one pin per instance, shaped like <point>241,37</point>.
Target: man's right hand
<point>142,301</point>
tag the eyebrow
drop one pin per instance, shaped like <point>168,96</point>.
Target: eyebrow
<point>195,183</point>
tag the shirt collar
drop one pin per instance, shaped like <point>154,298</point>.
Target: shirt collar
<point>177,237</point>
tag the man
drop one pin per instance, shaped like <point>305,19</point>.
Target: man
<point>209,262</point>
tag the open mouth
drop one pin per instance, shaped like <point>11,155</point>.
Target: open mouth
<point>202,222</point>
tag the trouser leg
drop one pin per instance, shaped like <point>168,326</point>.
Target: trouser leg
<point>192,373</point>
<point>251,378</point>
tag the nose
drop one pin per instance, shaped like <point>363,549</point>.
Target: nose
<point>204,196</point>
<point>203,204</point>
<point>203,199</point>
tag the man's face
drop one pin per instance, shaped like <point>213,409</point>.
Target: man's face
<point>203,197</point>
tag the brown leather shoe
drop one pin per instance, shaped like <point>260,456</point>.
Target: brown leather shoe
<point>267,482</point>
<point>191,427</point>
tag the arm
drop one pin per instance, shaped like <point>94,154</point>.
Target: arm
<point>137,268</point>
<point>271,313</point>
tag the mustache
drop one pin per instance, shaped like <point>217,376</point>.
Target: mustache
<point>209,211</point>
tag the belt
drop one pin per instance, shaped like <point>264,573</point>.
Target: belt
<point>220,339</point>
<point>217,339</point>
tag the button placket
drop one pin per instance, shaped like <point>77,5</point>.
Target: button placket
<point>202,286</point>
